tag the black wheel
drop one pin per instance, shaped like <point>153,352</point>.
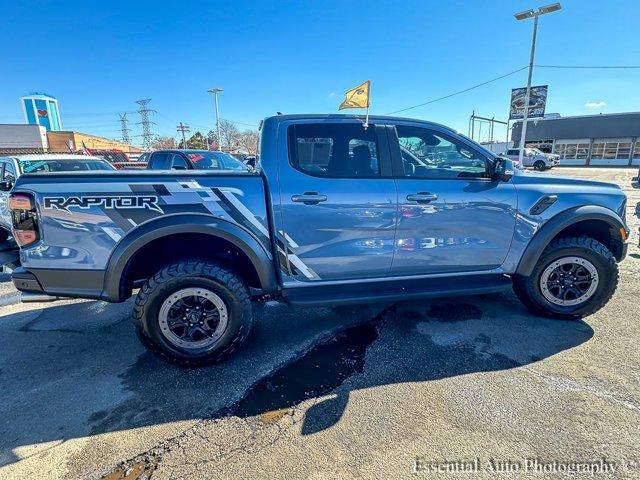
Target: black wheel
<point>3,235</point>
<point>574,277</point>
<point>539,165</point>
<point>193,313</point>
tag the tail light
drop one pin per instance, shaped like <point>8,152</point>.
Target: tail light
<point>24,217</point>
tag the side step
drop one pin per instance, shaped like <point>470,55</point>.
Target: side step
<point>372,292</point>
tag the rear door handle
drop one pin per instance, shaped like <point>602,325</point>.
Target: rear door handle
<point>422,197</point>
<point>309,198</point>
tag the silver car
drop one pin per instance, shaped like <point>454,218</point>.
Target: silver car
<point>534,158</point>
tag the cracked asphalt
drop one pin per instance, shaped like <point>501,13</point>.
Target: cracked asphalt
<point>465,379</point>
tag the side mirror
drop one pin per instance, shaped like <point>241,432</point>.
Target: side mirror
<point>502,169</point>
<point>5,186</point>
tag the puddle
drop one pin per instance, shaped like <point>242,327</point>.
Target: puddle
<point>317,373</point>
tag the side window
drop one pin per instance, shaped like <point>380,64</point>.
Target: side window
<point>430,154</point>
<point>342,150</point>
<point>160,161</point>
<point>178,162</point>
<point>9,173</point>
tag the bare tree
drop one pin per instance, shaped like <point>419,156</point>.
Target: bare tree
<point>230,135</point>
<point>163,143</point>
<point>249,141</point>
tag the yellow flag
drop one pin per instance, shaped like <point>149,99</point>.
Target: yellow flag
<point>357,97</point>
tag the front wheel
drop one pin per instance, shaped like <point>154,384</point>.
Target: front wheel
<point>193,313</point>
<point>539,165</point>
<point>574,277</point>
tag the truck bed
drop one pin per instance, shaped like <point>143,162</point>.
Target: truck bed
<point>83,217</point>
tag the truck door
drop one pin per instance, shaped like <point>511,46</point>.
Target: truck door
<point>338,201</point>
<point>452,216</point>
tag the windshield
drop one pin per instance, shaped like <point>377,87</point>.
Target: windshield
<point>215,161</point>
<point>63,165</point>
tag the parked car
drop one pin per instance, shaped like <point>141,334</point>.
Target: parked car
<point>534,158</point>
<point>12,167</point>
<point>338,214</point>
<point>185,159</point>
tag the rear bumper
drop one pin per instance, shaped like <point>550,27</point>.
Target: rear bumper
<point>60,282</point>
<point>26,281</point>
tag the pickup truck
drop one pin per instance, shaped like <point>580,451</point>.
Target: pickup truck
<point>335,212</point>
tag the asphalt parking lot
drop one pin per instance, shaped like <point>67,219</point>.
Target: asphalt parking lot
<point>329,393</point>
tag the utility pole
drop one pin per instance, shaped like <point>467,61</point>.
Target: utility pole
<point>182,128</point>
<point>215,92</point>
<point>522,16</point>
<point>124,128</point>
<point>145,121</point>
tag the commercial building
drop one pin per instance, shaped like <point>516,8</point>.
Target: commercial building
<point>16,139</point>
<point>20,138</point>
<point>605,139</point>
<point>41,109</point>
<point>68,141</point>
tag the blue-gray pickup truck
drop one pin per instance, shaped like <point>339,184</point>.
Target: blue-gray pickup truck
<point>334,213</point>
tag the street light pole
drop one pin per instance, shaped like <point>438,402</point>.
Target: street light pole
<point>215,92</point>
<point>521,16</point>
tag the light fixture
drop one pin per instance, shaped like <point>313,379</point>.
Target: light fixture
<point>526,14</point>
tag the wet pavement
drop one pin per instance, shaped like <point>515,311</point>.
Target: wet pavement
<point>323,393</point>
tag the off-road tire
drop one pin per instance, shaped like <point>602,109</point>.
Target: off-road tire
<point>539,166</point>
<point>226,284</point>
<point>528,288</point>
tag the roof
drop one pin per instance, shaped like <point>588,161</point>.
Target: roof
<point>345,116</point>
<point>68,156</point>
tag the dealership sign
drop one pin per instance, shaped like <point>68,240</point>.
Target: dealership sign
<point>537,102</point>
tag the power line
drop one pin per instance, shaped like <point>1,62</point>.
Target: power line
<point>183,128</point>
<point>458,92</point>
<point>146,122</point>
<point>124,128</point>
<point>591,66</point>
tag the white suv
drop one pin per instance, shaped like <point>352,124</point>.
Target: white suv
<point>534,158</point>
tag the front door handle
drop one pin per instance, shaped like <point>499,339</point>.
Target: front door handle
<point>309,198</point>
<point>422,197</point>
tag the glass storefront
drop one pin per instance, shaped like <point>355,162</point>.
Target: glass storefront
<point>572,152</point>
<point>611,151</point>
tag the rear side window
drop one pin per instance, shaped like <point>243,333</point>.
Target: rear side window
<point>160,161</point>
<point>512,152</point>
<point>334,150</point>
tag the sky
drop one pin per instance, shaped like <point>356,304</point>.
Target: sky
<point>97,58</point>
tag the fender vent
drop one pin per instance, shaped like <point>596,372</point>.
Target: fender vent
<point>542,204</point>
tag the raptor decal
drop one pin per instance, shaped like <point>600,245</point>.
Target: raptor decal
<point>110,202</point>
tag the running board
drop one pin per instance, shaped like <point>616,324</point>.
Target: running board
<point>346,294</point>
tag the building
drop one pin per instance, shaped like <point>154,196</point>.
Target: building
<point>68,141</point>
<point>20,138</point>
<point>41,109</point>
<point>605,139</point>
<point>24,139</point>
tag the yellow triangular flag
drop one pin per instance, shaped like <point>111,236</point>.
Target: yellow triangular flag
<point>357,97</point>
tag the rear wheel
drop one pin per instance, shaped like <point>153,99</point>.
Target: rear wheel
<point>193,313</point>
<point>539,165</point>
<point>574,277</point>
